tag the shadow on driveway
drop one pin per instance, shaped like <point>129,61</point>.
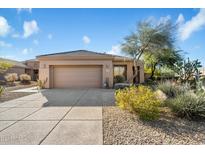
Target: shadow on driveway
<point>78,97</point>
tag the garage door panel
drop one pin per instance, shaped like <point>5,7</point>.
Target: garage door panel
<point>77,76</point>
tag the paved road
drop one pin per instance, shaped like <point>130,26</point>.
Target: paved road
<point>56,116</point>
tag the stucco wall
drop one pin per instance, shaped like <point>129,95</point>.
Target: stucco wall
<point>141,64</point>
<point>130,71</point>
<point>33,64</point>
<point>45,71</point>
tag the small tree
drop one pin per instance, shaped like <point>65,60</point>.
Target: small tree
<point>163,58</point>
<point>4,66</point>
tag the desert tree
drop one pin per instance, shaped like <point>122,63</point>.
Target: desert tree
<point>4,66</point>
<point>166,58</point>
<point>149,38</point>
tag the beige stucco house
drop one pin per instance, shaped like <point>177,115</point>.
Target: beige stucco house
<point>33,68</point>
<point>85,69</point>
<point>29,67</point>
<point>17,67</point>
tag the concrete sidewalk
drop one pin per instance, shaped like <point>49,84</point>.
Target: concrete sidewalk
<point>55,117</point>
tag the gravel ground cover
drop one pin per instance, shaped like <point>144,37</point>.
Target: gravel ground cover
<point>13,95</point>
<point>19,85</point>
<point>7,95</point>
<point>122,127</point>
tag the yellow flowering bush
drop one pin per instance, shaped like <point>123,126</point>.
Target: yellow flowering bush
<point>141,100</point>
<point>1,90</point>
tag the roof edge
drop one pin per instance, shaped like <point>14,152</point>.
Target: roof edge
<point>66,52</point>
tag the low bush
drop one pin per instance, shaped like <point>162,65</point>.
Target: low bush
<point>41,84</point>
<point>172,90</point>
<point>188,105</point>
<point>119,79</point>
<point>202,79</point>
<point>1,90</point>
<point>11,77</point>
<point>25,78</point>
<point>141,100</point>
<point>150,82</point>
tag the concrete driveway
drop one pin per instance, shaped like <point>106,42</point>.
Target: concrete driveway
<point>56,116</point>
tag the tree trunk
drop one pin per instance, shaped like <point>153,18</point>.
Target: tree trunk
<point>153,70</point>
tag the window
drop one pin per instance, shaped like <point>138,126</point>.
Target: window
<point>120,70</point>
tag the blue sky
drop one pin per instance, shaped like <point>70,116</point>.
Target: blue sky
<point>26,33</point>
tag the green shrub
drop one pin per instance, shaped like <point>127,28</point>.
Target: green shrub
<point>172,90</point>
<point>119,79</point>
<point>151,83</point>
<point>189,105</point>
<point>25,78</point>
<point>202,79</point>
<point>1,90</point>
<point>141,100</point>
<point>11,77</point>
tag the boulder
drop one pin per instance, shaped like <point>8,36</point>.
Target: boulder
<point>121,85</point>
<point>160,95</point>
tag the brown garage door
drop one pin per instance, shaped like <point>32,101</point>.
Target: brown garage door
<point>77,76</point>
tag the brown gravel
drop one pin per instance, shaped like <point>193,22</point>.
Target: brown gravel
<point>122,127</point>
<point>12,95</point>
<point>7,95</point>
<point>19,85</point>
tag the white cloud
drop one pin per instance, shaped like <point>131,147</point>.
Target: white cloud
<point>151,19</point>
<point>30,28</point>
<point>157,21</point>
<point>4,44</point>
<point>15,35</point>
<point>86,39</point>
<point>36,42</point>
<point>8,57</point>
<point>180,19</point>
<point>4,26</point>
<point>197,47</point>
<point>195,24</point>
<point>116,50</point>
<point>50,36</point>
<point>19,10</point>
<point>26,51</point>
<point>164,19</point>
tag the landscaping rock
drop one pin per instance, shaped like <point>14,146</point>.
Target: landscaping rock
<point>160,95</point>
<point>122,127</point>
<point>121,85</point>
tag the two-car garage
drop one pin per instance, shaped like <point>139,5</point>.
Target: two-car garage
<point>77,76</point>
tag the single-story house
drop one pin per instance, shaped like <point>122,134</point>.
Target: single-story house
<point>85,69</point>
<point>29,67</point>
<point>17,67</point>
<point>33,68</point>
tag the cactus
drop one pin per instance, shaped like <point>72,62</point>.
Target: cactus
<point>188,70</point>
